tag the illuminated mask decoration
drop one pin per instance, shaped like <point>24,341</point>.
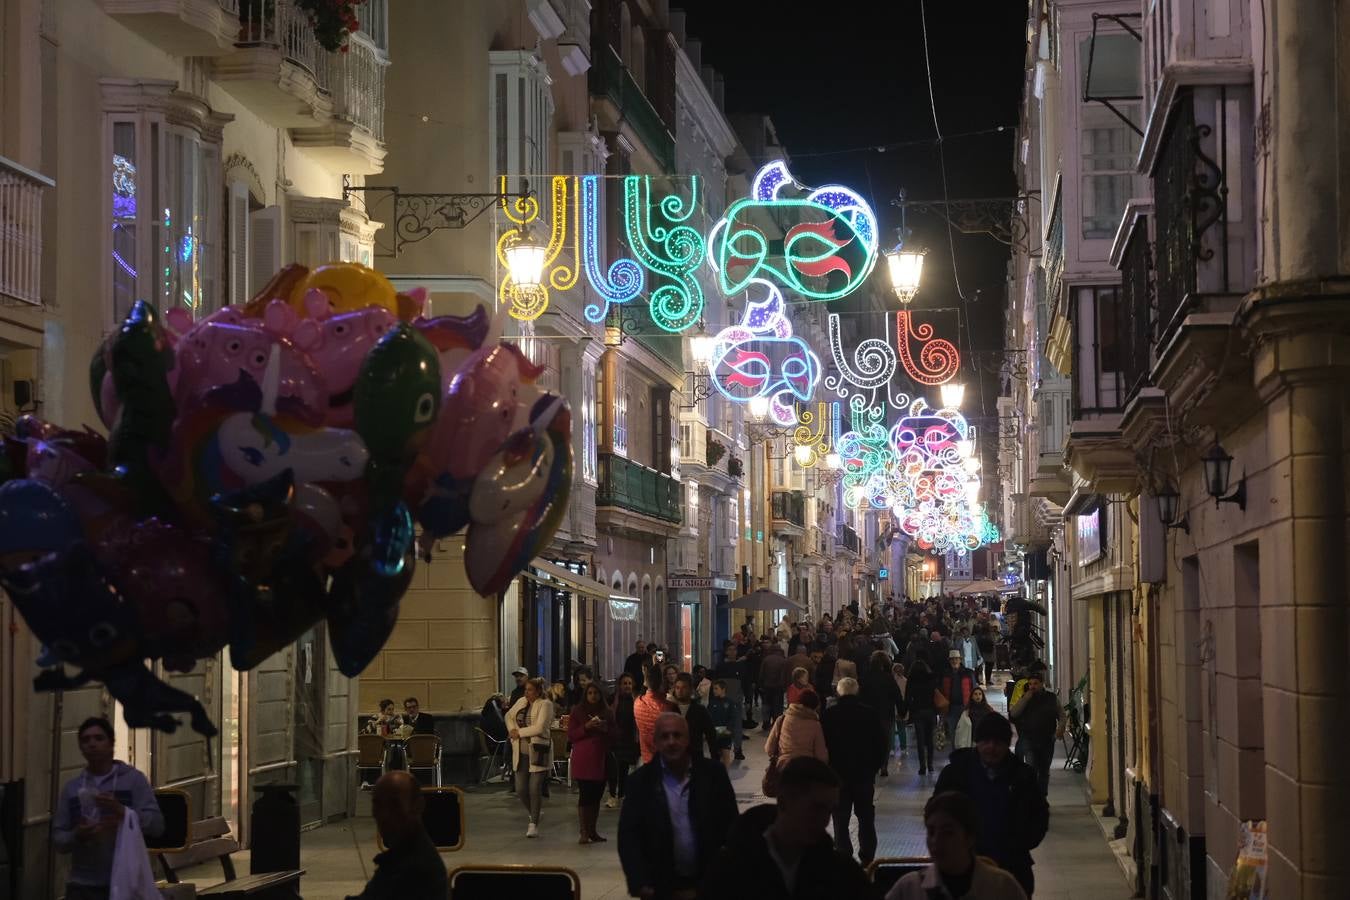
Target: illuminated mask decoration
<point>761,358</point>
<point>826,255</point>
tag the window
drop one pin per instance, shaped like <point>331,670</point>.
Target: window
<point>588,424</point>
<point>164,189</point>
<point>661,437</point>
<point>1097,351</point>
<point>520,111</point>
<point>619,439</point>
<point>1109,148</point>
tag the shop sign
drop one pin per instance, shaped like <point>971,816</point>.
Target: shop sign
<point>690,582</point>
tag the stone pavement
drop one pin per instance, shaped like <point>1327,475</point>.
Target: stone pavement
<point>1074,862</point>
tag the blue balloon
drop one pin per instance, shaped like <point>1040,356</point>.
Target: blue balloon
<point>34,520</point>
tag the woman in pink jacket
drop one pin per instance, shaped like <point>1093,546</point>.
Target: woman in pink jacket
<point>797,732</point>
<point>590,728</point>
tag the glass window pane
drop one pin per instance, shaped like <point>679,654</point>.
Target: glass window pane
<point>1115,69</point>
<point>124,197</point>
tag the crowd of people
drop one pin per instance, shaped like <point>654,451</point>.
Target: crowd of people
<point>834,700</point>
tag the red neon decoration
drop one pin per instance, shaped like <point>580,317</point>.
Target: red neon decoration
<point>938,357</point>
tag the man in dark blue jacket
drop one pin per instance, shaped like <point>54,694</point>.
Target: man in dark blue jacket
<point>1014,814</point>
<point>676,814</point>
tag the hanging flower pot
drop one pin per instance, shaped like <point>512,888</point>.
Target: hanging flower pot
<point>333,21</point>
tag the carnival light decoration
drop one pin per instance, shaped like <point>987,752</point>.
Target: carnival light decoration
<point>761,360</point>
<point>668,248</point>
<point>938,357</point>
<point>625,279</point>
<point>826,255</point>
<point>527,302</point>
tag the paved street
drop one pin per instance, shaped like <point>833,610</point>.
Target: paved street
<point>1074,862</point>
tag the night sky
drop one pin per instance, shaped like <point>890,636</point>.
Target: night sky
<point>837,82</point>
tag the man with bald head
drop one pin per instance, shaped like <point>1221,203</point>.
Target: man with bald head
<point>675,816</point>
<point>410,868</point>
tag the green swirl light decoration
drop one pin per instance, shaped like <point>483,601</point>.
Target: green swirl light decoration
<point>673,250</point>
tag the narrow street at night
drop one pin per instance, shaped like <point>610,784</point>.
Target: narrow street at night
<point>674,449</point>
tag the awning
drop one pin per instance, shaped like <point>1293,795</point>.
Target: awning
<point>553,574</point>
<point>988,586</point>
<point>623,608</point>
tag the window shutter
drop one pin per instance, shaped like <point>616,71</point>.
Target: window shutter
<point>238,243</point>
<point>264,247</point>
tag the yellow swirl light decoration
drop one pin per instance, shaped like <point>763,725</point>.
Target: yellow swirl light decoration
<point>529,304</point>
<point>814,439</point>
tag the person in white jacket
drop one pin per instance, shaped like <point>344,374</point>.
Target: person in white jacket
<point>952,821</point>
<point>527,723</point>
<point>975,710</point>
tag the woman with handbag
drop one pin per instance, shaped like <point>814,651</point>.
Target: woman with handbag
<point>624,752</point>
<point>795,733</point>
<point>528,721</point>
<point>920,694</point>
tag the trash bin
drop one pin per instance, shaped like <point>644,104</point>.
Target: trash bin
<point>275,846</point>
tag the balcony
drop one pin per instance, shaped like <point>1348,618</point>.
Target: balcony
<point>353,139</point>
<point>1050,480</point>
<point>846,541</point>
<point>570,22</point>
<point>609,78</point>
<point>181,27</point>
<point>277,68</point>
<point>21,233</point>
<point>633,488</point>
<point>788,510</point>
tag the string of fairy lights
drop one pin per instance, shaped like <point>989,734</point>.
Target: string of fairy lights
<point>895,451</point>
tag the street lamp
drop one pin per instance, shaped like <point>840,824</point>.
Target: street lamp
<point>833,460</point>
<point>802,454</point>
<point>1168,501</point>
<point>965,447</point>
<point>953,392</point>
<point>701,347</point>
<point>759,407</point>
<point>905,269</point>
<point>525,260</point>
<point>1218,466</point>
<point>972,490</point>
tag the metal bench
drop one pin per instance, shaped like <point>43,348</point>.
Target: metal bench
<point>495,882</point>
<point>210,839</point>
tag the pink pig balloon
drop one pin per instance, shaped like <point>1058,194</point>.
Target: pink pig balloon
<point>340,345</point>
<point>212,354</point>
<point>489,398</point>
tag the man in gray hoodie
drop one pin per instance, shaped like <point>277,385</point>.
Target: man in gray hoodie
<point>92,807</point>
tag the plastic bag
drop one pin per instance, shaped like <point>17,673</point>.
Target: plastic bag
<point>131,875</point>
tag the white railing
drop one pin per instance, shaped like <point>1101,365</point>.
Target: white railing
<point>359,86</point>
<point>282,24</point>
<point>21,232</point>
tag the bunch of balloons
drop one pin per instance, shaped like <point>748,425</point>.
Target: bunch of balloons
<point>266,468</point>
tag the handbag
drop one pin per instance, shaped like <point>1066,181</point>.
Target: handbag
<point>940,736</point>
<point>769,785</point>
<point>940,702</point>
<point>131,876</point>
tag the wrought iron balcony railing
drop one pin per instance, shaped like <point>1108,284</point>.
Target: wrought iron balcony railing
<point>634,487</point>
<point>610,78</point>
<point>790,507</point>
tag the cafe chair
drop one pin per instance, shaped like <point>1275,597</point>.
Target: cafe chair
<point>490,882</point>
<point>369,755</point>
<point>562,763</point>
<point>424,752</point>
<point>492,757</point>
<point>885,871</point>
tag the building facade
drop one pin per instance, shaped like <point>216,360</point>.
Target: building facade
<point>1194,261</point>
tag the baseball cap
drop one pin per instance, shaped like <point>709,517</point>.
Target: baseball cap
<point>520,670</point>
<point>954,654</point>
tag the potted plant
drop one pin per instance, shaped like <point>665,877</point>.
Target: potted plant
<point>716,450</point>
<point>734,468</point>
<point>333,21</point>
